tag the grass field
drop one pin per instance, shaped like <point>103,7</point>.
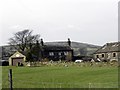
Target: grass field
<point>59,76</point>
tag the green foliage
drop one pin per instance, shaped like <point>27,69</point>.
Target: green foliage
<point>29,57</point>
<point>33,53</point>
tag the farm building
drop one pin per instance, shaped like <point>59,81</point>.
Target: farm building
<point>17,59</point>
<point>109,52</point>
<point>57,52</point>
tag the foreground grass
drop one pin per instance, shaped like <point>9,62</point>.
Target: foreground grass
<point>62,77</point>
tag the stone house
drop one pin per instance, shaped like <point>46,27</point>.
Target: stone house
<point>108,52</point>
<point>57,52</point>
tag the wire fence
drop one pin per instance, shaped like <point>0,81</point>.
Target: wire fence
<point>0,78</point>
<point>59,84</point>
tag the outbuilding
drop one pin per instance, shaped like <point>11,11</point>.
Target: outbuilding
<point>108,52</point>
<point>17,59</point>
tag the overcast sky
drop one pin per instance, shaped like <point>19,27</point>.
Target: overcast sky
<point>87,21</point>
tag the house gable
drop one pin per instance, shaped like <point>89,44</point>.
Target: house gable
<point>109,47</point>
<point>17,54</point>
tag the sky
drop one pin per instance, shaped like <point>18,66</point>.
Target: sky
<point>86,21</point>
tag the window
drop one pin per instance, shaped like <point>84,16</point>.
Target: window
<point>65,53</point>
<point>103,55</point>
<point>114,54</point>
<point>59,53</point>
<point>51,53</point>
<point>97,56</point>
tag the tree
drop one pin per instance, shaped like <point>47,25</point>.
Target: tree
<point>22,40</point>
<point>36,51</point>
<point>29,53</point>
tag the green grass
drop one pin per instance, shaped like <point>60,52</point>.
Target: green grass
<point>62,77</point>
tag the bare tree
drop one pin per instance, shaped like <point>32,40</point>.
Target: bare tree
<point>22,39</point>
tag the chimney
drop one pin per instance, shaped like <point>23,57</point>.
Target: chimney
<point>37,42</point>
<point>42,43</point>
<point>69,42</point>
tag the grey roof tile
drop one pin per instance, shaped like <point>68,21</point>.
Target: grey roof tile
<point>109,47</point>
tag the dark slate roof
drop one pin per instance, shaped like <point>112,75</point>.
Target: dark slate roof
<point>56,48</point>
<point>109,47</point>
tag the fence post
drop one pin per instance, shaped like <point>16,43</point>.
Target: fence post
<point>10,78</point>
<point>89,85</point>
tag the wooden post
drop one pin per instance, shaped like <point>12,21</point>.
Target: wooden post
<point>10,78</point>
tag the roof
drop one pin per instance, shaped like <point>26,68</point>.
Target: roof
<point>17,54</point>
<point>109,47</point>
<point>56,48</point>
